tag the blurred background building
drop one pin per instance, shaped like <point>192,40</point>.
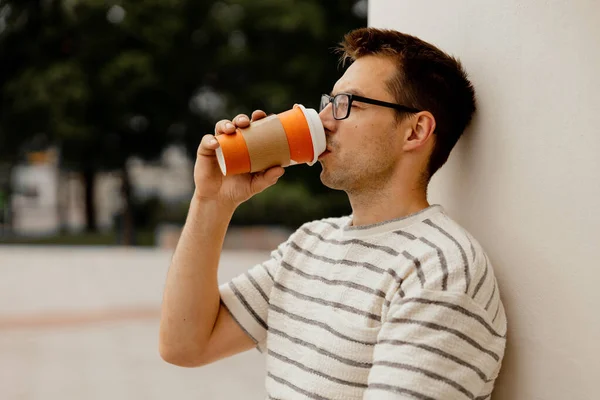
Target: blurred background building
<point>47,201</point>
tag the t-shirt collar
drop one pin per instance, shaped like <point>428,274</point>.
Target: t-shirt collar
<point>350,231</point>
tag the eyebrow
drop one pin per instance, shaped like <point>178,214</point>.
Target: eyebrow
<point>355,92</point>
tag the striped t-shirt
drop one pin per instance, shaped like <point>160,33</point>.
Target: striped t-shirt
<point>405,309</point>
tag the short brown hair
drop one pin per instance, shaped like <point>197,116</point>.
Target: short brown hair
<point>427,79</point>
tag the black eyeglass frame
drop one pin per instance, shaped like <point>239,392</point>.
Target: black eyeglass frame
<point>354,97</point>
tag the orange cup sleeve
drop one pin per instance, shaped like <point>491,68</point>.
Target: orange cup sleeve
<point>298,135</point>
<point>235,152</point>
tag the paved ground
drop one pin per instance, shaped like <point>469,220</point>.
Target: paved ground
<point>83,324</point>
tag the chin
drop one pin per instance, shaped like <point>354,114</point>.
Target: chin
<point>331,182</point>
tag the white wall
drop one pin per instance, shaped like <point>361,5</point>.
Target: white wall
<point>525,179</point>
<point>36,203</point>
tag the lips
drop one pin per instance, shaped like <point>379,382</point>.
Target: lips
<point>327,151</point>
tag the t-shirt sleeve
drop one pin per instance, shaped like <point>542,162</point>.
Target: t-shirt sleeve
<point>435,345</point>
<point>247,297</point>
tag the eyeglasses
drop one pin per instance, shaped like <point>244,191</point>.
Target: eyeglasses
<point>342,104</point>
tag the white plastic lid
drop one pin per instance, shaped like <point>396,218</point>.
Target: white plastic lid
<point>221,160</point>
<point>317,132</point>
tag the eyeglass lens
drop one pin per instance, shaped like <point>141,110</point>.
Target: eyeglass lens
<point>341,103</point>
<point>324,101</point>
<point>340,106</point>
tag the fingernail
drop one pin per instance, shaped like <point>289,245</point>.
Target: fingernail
<point>229,125</point>
<point>212,141</point>
<point>242,119</point>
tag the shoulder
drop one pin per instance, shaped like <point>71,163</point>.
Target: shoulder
<point>450,256</point>
<point>449,270</point>
<point>448,260</point>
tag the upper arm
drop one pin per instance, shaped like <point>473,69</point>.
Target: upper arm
<point>227,339</point>
<point>435,345</point>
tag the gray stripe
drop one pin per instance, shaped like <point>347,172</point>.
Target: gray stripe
<point>319,324</point>
<point>489,302</point>
<point>320,350</point>
<point>335,282</point>
<point>462,252</point>
<point>439,352</point>
<point>332,304</point>
<point>454,307</point>
<point>279,252</point>
<point>332,261</point>
<point>248,307</point>
<point>442,258</point>
<point>482,278</point>
<point>385,249</point>
<point>399,390</point>
<point>472,247</point>
<point>296,388</point>
<point>314,371</point>
<point>336,226</point>
<point>417,263</point>
<point>255,284</point>
<point>484,397</point>
<point>454,332</point>
<point>427,373</point>
<point>496,314</point>
<point>406,234</point>
<point>267,270</point>
<point>240,325</point>
<point>397,279</point>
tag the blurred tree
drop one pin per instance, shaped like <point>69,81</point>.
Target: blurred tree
<point>122,48</point>
<point>87,76</point>
<point>106,80</point>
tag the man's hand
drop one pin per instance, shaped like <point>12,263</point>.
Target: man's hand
<point>210,183</point>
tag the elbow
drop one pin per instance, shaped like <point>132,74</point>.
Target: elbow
<point>181,356</point>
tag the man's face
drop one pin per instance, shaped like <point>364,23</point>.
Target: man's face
<point>365,147</point>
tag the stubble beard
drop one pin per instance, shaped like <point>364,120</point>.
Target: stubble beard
<point>355,178</point>
<point>333,180</point>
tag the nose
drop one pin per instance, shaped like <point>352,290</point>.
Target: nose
<point>327,119</point>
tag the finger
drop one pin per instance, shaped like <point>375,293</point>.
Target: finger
<point>241,121</point>
<point>207,146</point>
<point>258,114</point>
<point>267,178</point>
<point>224,126</point>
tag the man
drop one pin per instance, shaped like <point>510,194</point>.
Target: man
<point>396,301</point>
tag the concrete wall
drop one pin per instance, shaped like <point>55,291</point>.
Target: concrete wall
<point>525,180</point>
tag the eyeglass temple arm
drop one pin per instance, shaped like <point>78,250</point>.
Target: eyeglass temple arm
<point>398,107</point>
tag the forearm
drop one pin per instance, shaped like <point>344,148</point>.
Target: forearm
<point>191,295</point>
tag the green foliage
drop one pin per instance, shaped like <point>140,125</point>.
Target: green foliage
<point>108,80</point>
<point>49,99</point>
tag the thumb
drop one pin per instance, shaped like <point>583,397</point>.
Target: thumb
<point>265,179</point>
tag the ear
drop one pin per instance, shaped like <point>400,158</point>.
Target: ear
<point>419,132</point>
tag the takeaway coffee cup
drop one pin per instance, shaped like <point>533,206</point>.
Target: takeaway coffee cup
<point>292,137</point>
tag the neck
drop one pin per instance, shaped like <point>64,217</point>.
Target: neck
<point>376,205</point>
